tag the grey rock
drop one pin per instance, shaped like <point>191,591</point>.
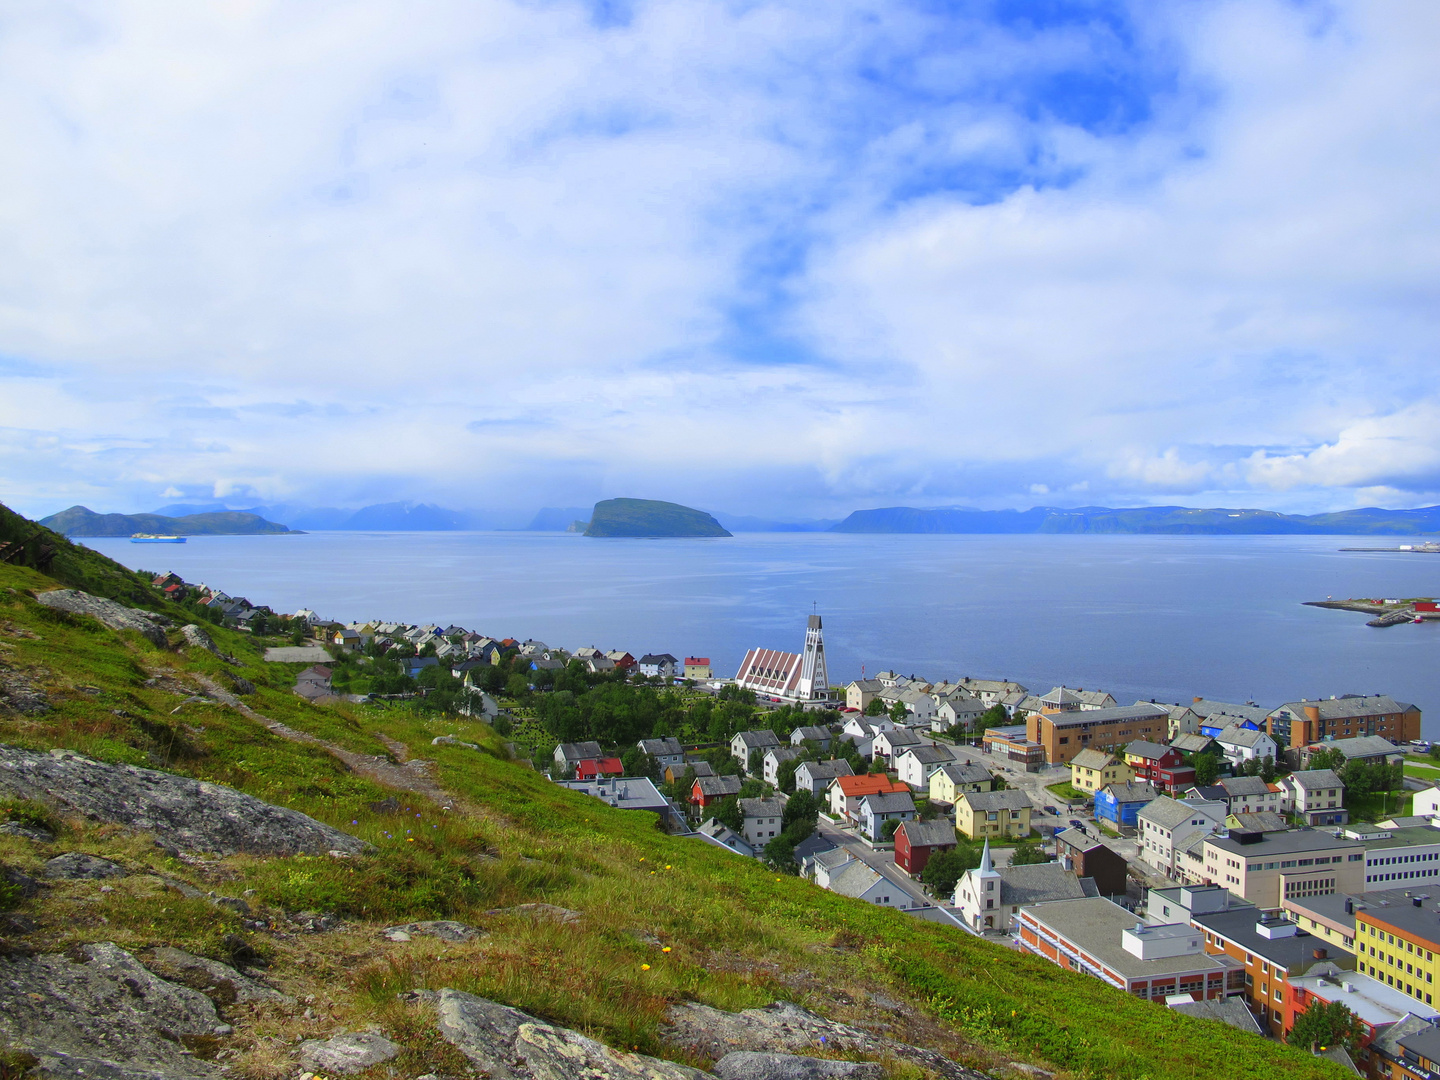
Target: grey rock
<point>243,686</point>
<point>102,1014</point>
<point>540,911</point>
<point>190,815</point>
<point>444,929</point>
<point>219,982</point>
<point>21,694</point>
<point>786,1028</point>
<point>234,903</point>
<point>312,922</point>
<point>12,922</point>
<point>451,740</point>
<point>27,885</point>
<point>27,832</point>
<point>507,1044</point>
<point>116,616</point>
<point>76,865</point>
<point>750,1065</point>
<point>352,1052</point>
<point>198,638</point>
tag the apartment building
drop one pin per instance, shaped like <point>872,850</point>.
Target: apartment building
<point>1062,735</point>
<point>1397,938</point>
<point>1299,723</point>
<point>1166,825</point>
<point>1266,869</point>
<point>1399,858</point>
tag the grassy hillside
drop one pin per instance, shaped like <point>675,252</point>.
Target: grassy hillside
<point>738,936</point>
<point>650,518</point>
<point>82,521</point>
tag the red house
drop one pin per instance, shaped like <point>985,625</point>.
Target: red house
<point>916,841</point>
<point>1163,767</point>
<point>711,789</point>
<point>608,766</point>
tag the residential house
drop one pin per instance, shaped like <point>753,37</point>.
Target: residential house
<point>1183,721</point>
<point>988,899</point>
<point>1427,801</point>
<point>1091,770</point>
<point>999,814</point>
<point>1216,716</point>
<point>1250,794</point>
<point>605,766</point>
<point>875,810</point>
<point>1257,821</point>
<point>666,751</point>
<point>949,782</point>
<point>867,727</point>
<point>919,705</point>
<point>712,789</point>
<point>990,691</point>
<point>918,763</point>
<point>917,841</point>
<point>347,639</point>
<point>697,668</point>
<point>1399,858</point>
<point>891,744</point>
<point>1360,748</point>
<point>1300,723</point>
<point>861,692</point>
<point>1098,937</point>
<point>855,879</point>
<point>628,793</point>
<point>675,772</point>
<point>1120,803</point>
<point>1065,732</point>
<point>762,819</point>
<point>819,736</point>
<point>597,664</point>
<point>957,710</point>
<point>847,791</point>
<point>569,755</point>
<point>622,660</point>
<point>1095,699</point>
<point>1268,951</point>
<point>416,664</point>
<point>814,844</point>
<point>820,866</point>
<point>889,679</point>
<point>723,836</point>
<point>772,760</point>
<point>817,776</point>
<point>1161,766</point>
<point>1240,744</point>
<point>1267,868</point>
<point>659,666</point>
<point>747,742</point>
<point>1165,826</point>
<point>314,682</point>
<point>1077,852</point>
<point>1317,795</point>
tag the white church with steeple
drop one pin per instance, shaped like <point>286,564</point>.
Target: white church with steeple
<point>799,678</point>
<point>987,899</point>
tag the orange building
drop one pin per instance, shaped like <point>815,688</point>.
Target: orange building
<point>1300,723</point>
<point>1062,735</point>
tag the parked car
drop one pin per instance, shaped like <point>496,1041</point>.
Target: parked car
<point>1076,823</point>
<point>1052,810</point>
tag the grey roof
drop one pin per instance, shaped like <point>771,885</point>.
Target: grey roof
<point>783,754</point>
<point>719,785</point>
<point>1239,736</point>
<point>581,751</point>
<point>1406,837</point>
<point>762,807</point>
<point>1090,758</point>
<point>930,755</point>
<point>1191,742</point>
<point>929,833</point>
<point>1262,821</point>
<point>723,836</point>
<point>1350,705</point>
<point>1295,953</point>
<point>827,770</point>
<point>812,845</point>
<point>1207,709</point>
<point>900,737</point>
<point>1424,1042</point>
<point>1167,812</point>
<point>1040,882</point>
<point>962,773</point>
<point>985,801</point>
<point>1144,711</point>
<point>1128,793</point>
<point>1061,696</point>
<point>1273,845</point>
<point>819,734</point>
<point>658,658</point>
<point>702,768</point>
<point>759,740</point>
<point>1147,749</point>
<point>1097,926</point>
<point>1237,786</point>
<point>832,857</point>
<point>1362,747</point>
<point>889,802</point>
<point>628,792</point>
<point>1232,1011</point>
<point>854,879</point>
<point>1316,778</point>
<point>657,747</point>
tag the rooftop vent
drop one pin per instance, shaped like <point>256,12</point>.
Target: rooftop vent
<point>1320,954</point>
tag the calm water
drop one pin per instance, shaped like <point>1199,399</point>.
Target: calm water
<point>1169,617</point>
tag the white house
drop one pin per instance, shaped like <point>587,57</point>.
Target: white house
<point>851,877</point>
<point>1250,795</point>
<point>815,776</point>
<point>918,763</point>
<point>713,832</point>
<point>661,665</point>
<point>988,898</point>
<point>820,736</point>
<point>1241,744</point>
<point>875,810</point>
<point>958,708</point>
<point>891,744</point>
<point>667,751</point>
<point>867,727</point>
<point>1165,826</point>
<point>1427,802</point>
<point>773,759</point>
<point>745,741</point>
<point>1318,795</point>
<point>762,820</point>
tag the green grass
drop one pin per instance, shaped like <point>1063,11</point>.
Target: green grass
<point>739,935</point>
<point>1380,806</point>
<point>1069,793</point>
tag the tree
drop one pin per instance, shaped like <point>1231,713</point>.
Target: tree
<point>1332,758</point>
<point>802,808</point>
<point>1435,752</point>
<point>888,828</point>
<point>1326,1023</point>
<point>1207,768</point>
<point>875,708</point>
<point>1267,769</point>
<point>780,854</point>
<point>945,867</point>
<point>785,775</point>
<point>1028,853</point>
<point>898,711</point>
<point>878,764</point>
<point>637,762</point>
<point>752,789</point>
<point>727,812</point>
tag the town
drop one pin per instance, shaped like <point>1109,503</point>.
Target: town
<point>1261,865</point>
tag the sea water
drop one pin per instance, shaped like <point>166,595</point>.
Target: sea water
<point>1163,617</point>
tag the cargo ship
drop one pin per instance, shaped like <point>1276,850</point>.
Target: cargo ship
<point>152,538</point>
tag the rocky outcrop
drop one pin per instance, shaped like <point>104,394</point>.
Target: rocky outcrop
<point>444,929</point>
<point>116,616</point>
<point>352,1052</point>
<point>749,1065</point>
<point>75,865</point>
<point>548,912</point>
<point>98,1012</point>
<point>507,1044</point>
<point>197,638</point>
<point>21,694</point>
<point>221,983</point>
<point>187,814</point>
<point>784,1028</point>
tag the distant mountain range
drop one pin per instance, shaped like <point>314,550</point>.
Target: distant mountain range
<point>1141,520</point>
<point>81,521</point>
<point>381,517</point>
<point>650,518</point>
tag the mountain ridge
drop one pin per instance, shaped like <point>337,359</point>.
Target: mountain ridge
<point>1142,520</point>
<point>650,518</point>
<point>82,521</point>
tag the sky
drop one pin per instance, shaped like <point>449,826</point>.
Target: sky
<point>769,258</point>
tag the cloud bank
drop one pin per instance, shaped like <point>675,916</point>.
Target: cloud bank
<point>763,257</point>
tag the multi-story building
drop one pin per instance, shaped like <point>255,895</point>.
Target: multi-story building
<point>1317,795</point>
<point>949,782</point>
<point>1091,770</point>
<point>1166,825</point>
<point>999,814</point>
<point>1397,938</point>
<point>1120,803</point>
<point>1162,766</point>
<point>1299,723</point>
<point>1099,938</point>
<point>1378,1008</point>
<point>1062,735</point>
<point>1399,858</point>
<point>1267,868</point>
<point>1215,716</point>
<point>1330,917</point>
<point>1010,744</point>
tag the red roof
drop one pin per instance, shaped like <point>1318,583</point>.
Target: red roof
<point>869,784</point>
<point>697,661</point>
<point>609,766</point>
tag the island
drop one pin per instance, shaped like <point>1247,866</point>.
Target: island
<point>650,518</point>
<point>1387,612</point>
<point>82,521</point>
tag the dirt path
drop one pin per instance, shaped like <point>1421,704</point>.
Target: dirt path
<point>412,776</point>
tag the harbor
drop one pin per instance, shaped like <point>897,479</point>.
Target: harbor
<point>1386,612</point>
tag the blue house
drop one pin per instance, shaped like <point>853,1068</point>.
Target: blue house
<point>417,664</point>
<point>1118,804</point>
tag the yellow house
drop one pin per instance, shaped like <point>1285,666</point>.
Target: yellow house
<point>1091,770</point>
<point>994,814</point>
<point>949,782</point>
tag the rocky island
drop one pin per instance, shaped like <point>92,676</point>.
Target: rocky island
<point>650,518</point>
<point>82,521</point>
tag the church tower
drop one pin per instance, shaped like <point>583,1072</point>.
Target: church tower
<point>814,679</point>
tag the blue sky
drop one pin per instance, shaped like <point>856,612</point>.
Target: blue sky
<point>767,258</point>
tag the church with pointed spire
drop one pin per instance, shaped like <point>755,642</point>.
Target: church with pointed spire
<point>796,678</point>
<point>987,899</point>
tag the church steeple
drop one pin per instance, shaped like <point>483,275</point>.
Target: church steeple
<point>985,867</point>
